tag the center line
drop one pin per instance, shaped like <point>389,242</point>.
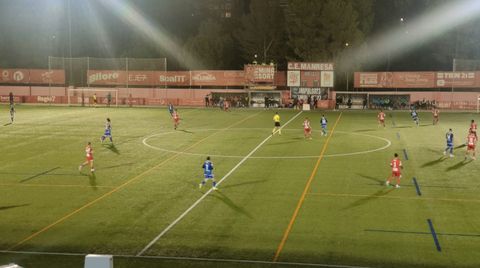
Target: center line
<point>209,191</point>
<point>305,191</point>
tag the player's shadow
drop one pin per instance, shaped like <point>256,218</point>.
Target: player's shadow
<point>115,166</point>
<point>242,184</point>
<point>186,131</point>
<point>7,124</point>
<point>112,148</point>
<point>363,201</point>
<point>13,206</point>
<point>92,180</point>
<point>366,130</point>
<point>379,181</point>
<point>460,146</point>
<point>434,162</point>
<point>404,127</point>
<point>222,197</point>
<point>458,165</point>
<point>39,174</point>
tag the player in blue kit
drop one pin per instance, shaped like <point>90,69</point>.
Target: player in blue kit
<point>171,109</point>
<point>323,123</point>
<point>208,174</point>
<point>449,139</point>
<point>415,116</point>
<point>108,131</point>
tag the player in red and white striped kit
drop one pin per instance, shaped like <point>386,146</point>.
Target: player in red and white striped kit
<point>396,165</point>
<point>307,129</point>
<point>381,118</point>
<point>89,158</point>
<point>471,142</point>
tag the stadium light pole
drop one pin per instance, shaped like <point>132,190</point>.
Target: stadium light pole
<point>346,71</point>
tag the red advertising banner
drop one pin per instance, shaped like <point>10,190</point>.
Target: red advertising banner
<point>173,78</point>
<point>42,76</point>
<point>141,78</point>
<point>311,66</point>
<point>218,78</point>
<point>15,76</point>
<point>456,79</point>
<point>259,73</point>
<point>373,80</point>
<point>106,77</point>
<point>413,79</point>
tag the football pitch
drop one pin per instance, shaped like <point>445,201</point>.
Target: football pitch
<point>283,201</point>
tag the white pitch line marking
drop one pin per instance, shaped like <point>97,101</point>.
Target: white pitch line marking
<point>187,259</point>
<point>388,143</point>
<point>209,191</point>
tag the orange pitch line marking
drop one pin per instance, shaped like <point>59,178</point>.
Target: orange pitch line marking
<point>304,194</point>
<point>89,204</point>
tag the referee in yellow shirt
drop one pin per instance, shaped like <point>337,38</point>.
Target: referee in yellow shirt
<point>276,120</point>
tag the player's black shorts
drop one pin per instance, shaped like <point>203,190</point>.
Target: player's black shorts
<point>277,124</point>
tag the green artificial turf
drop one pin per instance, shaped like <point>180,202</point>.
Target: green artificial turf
<point>150,176</point>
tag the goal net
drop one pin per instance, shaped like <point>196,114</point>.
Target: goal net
<point>351,100</point>
<point>87,97</point>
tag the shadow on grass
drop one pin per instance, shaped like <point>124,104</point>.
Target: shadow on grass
<point>286,142</point>
<point>92,179</point>
<point>112,148</point>
<point>39,174</point>
<point>434,162</point>
<point>222,197</point>
<point>243,183</point>
<point>14,206</point>
<point>460,146</point>
<point>186,131</point>
<point>115,166</point>
<point>404,127</point>
<point>458,165</point>
<point>7,124</point>
<point>363,201</point>
<point>380,181</point>
<point>366,130</point>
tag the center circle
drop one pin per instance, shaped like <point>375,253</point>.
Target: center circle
<point>385,146</point>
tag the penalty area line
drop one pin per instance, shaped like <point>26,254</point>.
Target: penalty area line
<point>149,245</point>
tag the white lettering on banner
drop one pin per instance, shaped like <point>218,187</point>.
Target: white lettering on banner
<point>102,77</point>
<point>204,77</point>
<point>137,77</point>
<point>310,66</point>
<point>5,75</point>
<point>172,79</point>
<point>262,73</point>
<point>456,75</point>
<point>45,99</point>
<point>18,76</point>
<point>47,76</point>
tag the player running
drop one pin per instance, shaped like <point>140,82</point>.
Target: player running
<point>176,119</point>
<point>436,114</point>
<point>471,142</point>
<point>170,109</point>
<point>396,165</point>
<point>449,139</point>
<point>414,115</point>
<point>473,128</point>
<point>208,174</point>
<point>89,158</point>
<point>307,130</point>
<point>108,131</point>
<point>276,121</point>
<point>323,123</point>
<point>381,118</point>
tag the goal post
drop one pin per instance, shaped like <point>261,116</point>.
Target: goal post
<point>478,104</point>
<point>84,97</point>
